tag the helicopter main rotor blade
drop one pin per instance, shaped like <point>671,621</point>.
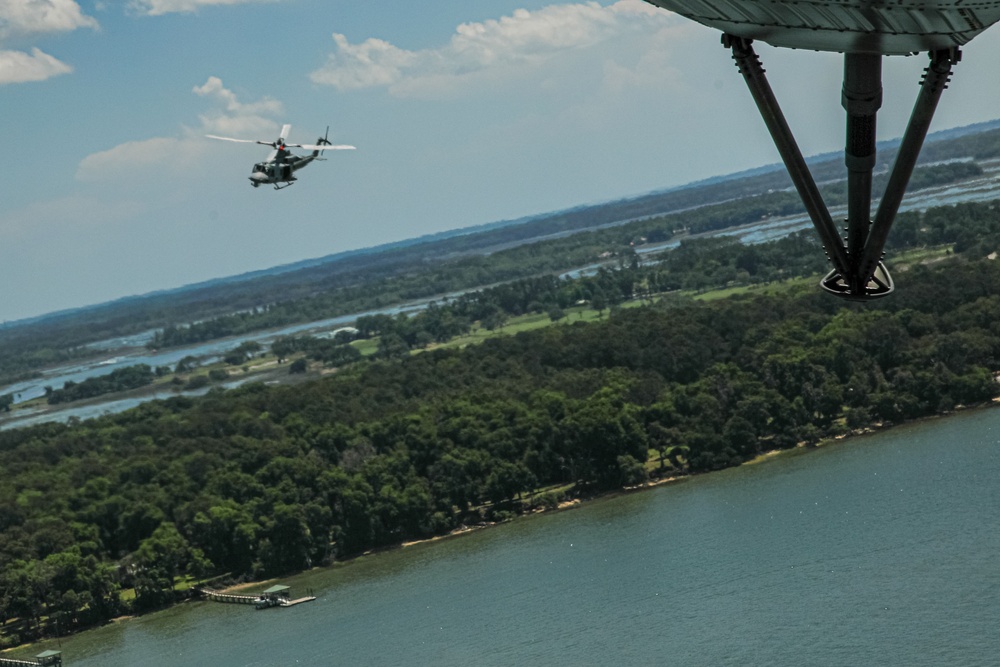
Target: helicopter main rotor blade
<point>240,141</point>
<point>322,147</point>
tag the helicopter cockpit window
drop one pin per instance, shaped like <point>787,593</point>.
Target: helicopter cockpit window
<point>259,167</point>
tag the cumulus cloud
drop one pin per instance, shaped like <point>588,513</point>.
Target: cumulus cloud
<point>21,17</point>
<point>160,7</point>
<point>20,67</point>
<point>185,152</point>
<point>213,88</point>
<point>133,156</point>
<point>524,38</point>
<point>235,118</point>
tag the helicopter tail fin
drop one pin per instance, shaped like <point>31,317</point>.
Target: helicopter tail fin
<point>322,141</point>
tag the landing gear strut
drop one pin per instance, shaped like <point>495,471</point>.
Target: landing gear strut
<point>858,271</point>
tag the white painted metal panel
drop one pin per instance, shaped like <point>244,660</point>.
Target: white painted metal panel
<point>859,26</point>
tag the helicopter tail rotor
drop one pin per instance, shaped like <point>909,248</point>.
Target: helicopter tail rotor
<point>323,141</point>
<point>323,144</point>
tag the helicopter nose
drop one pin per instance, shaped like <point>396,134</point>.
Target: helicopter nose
<point>258,177</point>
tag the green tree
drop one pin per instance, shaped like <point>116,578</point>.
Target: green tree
<point>507,480</point>
<point>157,562</point>
<point>392,346</point>
<point>285,541</point>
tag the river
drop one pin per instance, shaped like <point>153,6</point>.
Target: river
<point>130,350</point>
<point>880,550</point>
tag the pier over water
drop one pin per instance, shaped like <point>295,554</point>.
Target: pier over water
<point>275,596</point>
<point>45,658</point>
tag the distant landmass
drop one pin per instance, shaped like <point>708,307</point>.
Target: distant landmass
<point>487,237</point>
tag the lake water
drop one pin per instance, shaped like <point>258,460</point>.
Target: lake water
<point>882,550</point>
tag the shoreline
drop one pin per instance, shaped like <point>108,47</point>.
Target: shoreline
<point>570,504</point>
<point>574,503</point>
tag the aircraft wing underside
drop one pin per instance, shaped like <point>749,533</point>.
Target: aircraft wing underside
<point>891,27</point>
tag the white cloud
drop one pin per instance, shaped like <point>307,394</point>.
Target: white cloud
<point>20,67</point>
<point>237,119</point>
<point>522,39</point>
<point>132,156</point>
<point>160,7</point>
<point>370,64</point>
<point>27,17</point>
<point>185,153</point>
<point>213,88</point>
<point>19,18</point>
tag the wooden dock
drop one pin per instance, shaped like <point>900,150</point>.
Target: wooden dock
<point>291,603</point>
<point>226,597</point>
<point>45,659</point>
<point>276,596</point>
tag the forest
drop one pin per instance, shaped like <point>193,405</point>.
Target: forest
<point>115,515</point>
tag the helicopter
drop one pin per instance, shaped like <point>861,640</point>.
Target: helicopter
<point>864,31</point>
<point>280,166</point>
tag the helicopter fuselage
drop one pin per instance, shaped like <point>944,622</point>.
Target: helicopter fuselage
<point>280,166</point>
<point>280,169</point>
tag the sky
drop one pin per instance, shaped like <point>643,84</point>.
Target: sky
<point>462,114</point>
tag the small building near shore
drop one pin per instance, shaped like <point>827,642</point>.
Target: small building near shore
<point>276,593</point>
<point>273,597</point>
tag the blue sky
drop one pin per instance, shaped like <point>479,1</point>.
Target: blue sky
<point>463,113</point>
